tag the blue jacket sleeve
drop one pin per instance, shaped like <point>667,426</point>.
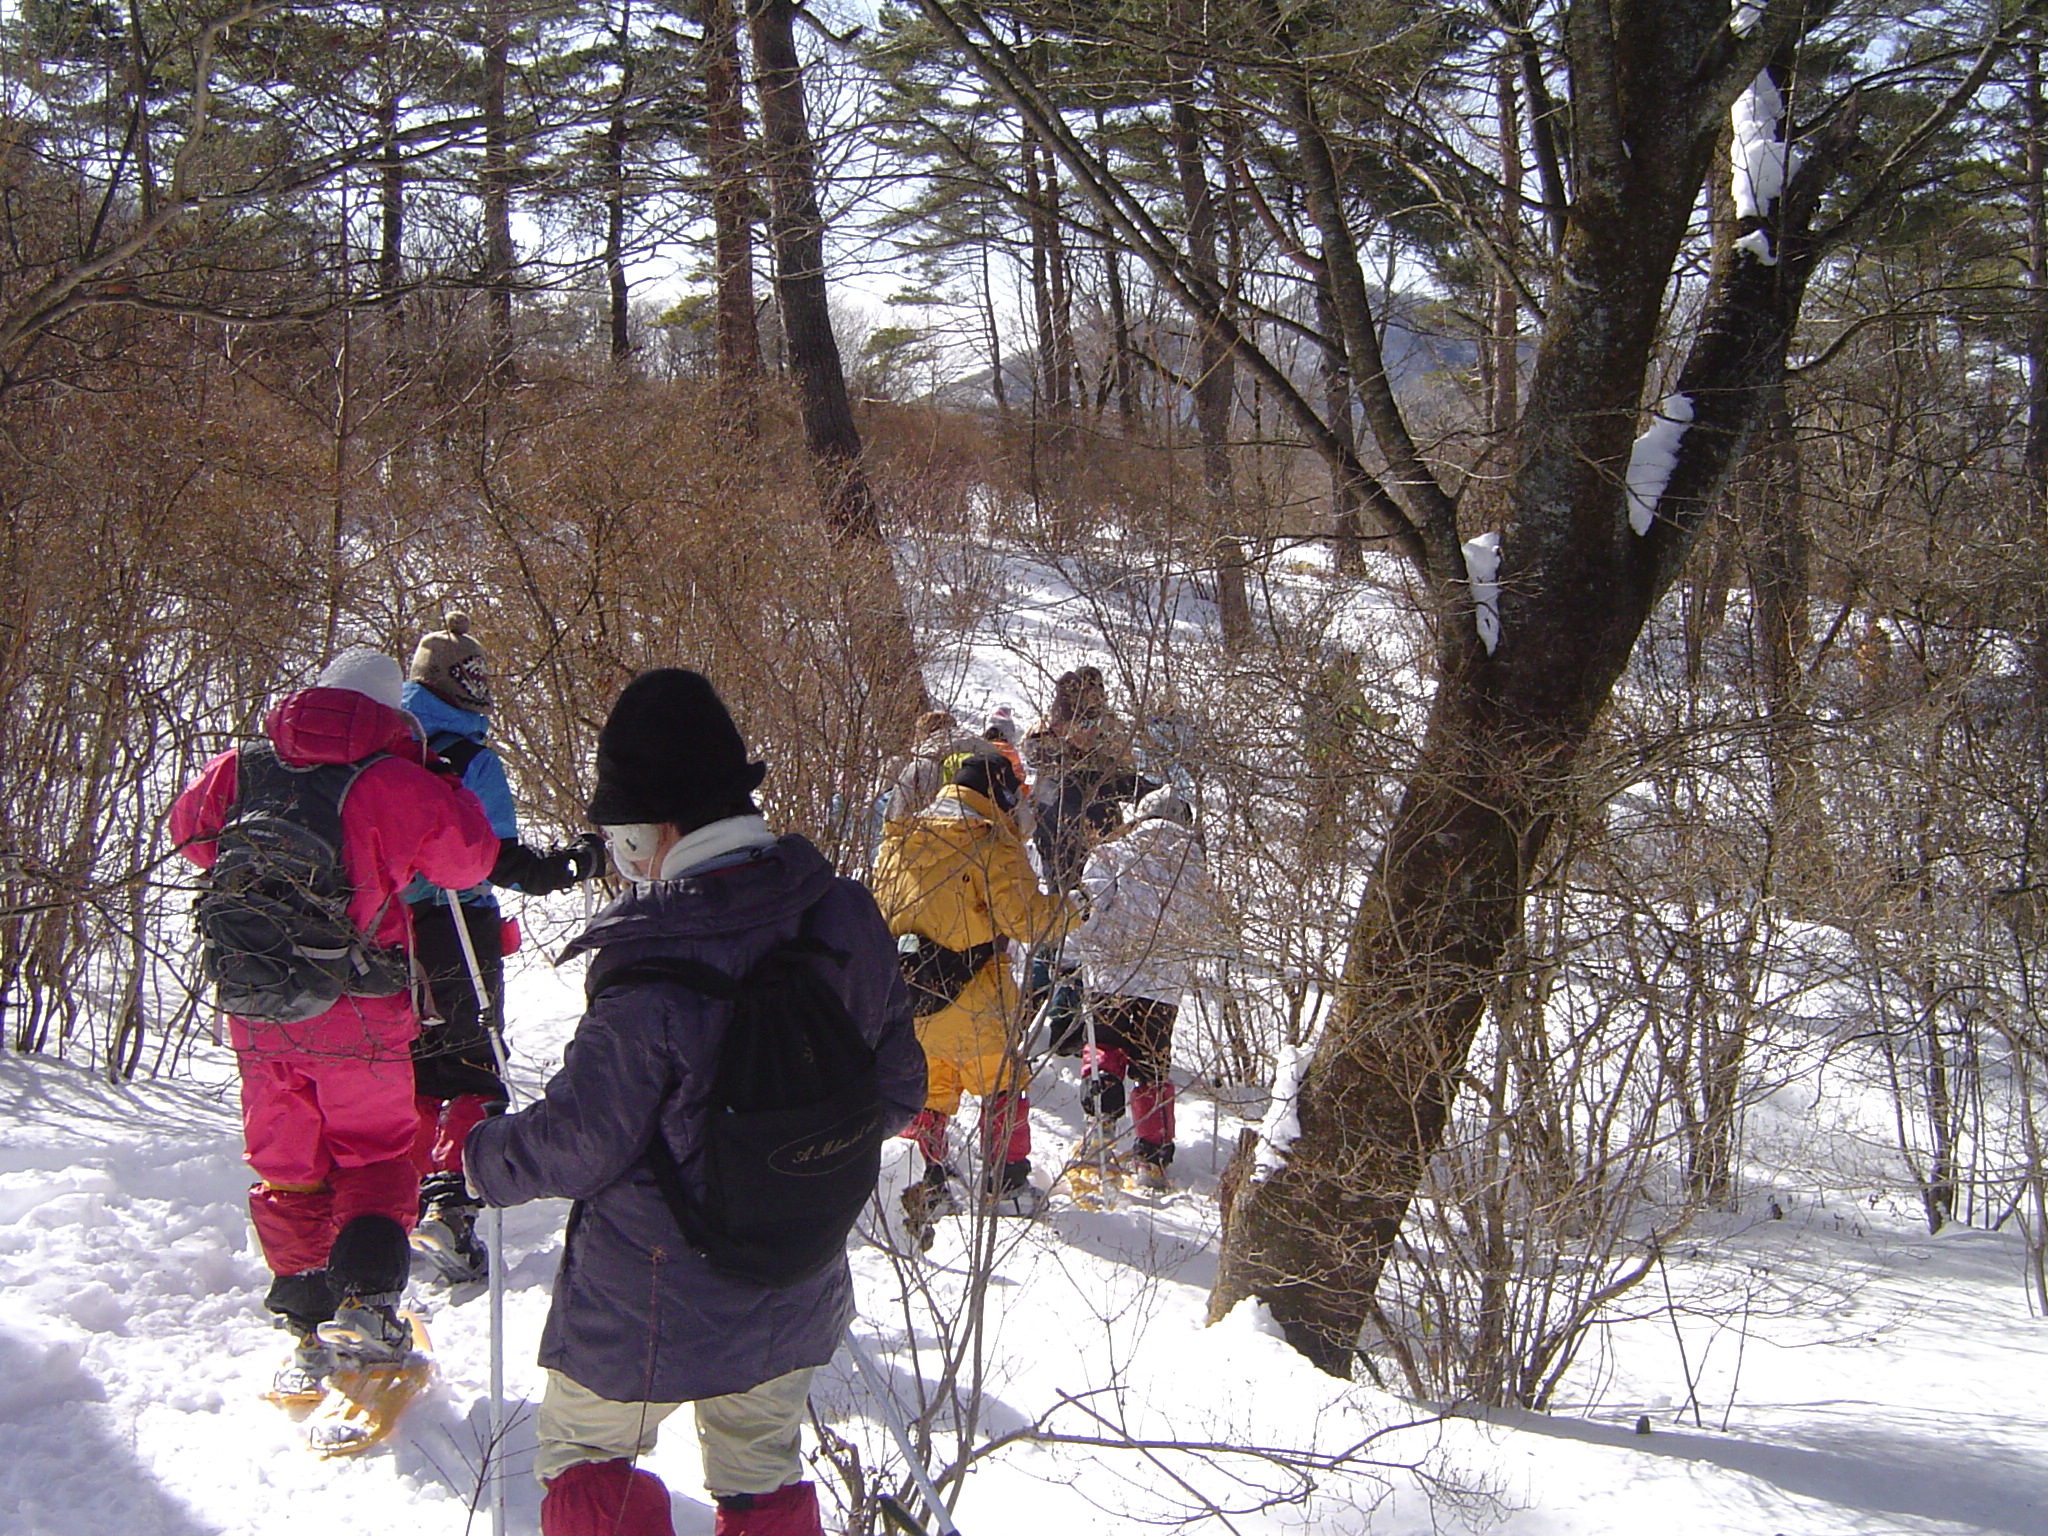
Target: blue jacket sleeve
<point>596,1117</point>
<point>485,778</point>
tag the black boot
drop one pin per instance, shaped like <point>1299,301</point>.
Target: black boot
<point>302,1303</point>
<point>1149,1162</point>
<point>367,1270</point>
<point>1102,1095</point>
<point>446,1235</point>
<point>1010,1190</point>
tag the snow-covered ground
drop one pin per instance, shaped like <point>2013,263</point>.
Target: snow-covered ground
<point>1852,1374</point>
<point>1881,1380</point>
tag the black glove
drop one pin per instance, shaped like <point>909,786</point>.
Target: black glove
<point>528,870</point>
<point>537,874</point>
<point>586,857</point>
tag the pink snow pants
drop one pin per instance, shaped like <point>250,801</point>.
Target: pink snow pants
<point>1005,1127</point>
<point>331,1137</point>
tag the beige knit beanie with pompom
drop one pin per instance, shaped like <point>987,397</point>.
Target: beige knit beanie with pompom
<point>450,664</point>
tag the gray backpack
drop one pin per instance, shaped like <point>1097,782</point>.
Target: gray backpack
<point>275,935</point>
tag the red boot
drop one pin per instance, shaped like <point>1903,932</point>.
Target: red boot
<point>606,1498</point>
<point>791,1510</point>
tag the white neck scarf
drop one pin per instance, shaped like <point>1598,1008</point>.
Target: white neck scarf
<point>632,846</point>
<point>714,841</point>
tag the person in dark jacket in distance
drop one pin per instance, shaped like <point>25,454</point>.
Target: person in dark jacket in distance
<point>455,1069</point>
<point>641,1323</point>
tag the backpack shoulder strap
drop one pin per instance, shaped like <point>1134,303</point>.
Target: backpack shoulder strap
<point>709,980</point>
<point>309,798</point>
<point>259,776</point>
<point>264,779</point>
<point>807,941</point>
<point>694,974</point>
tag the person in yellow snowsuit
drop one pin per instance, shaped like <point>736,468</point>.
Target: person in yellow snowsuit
<point>955,875</point>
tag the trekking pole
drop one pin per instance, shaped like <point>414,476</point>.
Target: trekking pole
<point>1034,1050</point>
<point>494,1225</point>
<point>1099,1134</point>
<point>871,1373</point>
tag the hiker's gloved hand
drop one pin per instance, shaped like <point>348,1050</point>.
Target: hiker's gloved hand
<point>539,874</point>
<point>586,857</point>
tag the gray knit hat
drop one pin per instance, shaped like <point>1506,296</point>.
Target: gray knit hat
<point>362,670</point>
<point>450,664</point>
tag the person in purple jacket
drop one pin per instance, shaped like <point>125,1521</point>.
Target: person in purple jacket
<point>641,1323</point>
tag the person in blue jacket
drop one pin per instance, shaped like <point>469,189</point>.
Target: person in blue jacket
<point>455,1072</point>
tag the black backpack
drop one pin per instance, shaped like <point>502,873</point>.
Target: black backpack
<point>276,939</point>
<point>935,974</point>
<point>793,1134</point>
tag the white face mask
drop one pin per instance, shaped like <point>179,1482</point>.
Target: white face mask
<point>633,848</point>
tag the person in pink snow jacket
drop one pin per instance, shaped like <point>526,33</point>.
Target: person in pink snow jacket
<point>328,1118</point>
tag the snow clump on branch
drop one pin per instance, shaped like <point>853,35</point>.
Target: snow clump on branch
<point>1654,457</point>
<point>1758,160</point>
<point>1758,243</point>
<point>1482,574</point>
<point>1747,13</point>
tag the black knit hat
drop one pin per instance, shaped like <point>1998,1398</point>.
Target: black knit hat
<point>670,752</point>
<point>989,774</point>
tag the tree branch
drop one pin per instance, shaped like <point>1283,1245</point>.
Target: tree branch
<point>1141,235</point>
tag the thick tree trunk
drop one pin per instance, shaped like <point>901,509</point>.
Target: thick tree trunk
<point>1119,376</point>
<point>2037,271</point>
<point>1780,585</point>
<point>390,176</point>
<point>616,294</point>
<point>496,186</point>
<point>1215,385</point>
<point>2036,105</point>
<point>732,217</point>
<point>1051,395</point>
<point>1061,370</point>
<point>390,167</point>
<point>1507,727</point>
<point>797,231</point>
<point>1347,517</point>
<point>1122,382</point>
<point>1503,401</point>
